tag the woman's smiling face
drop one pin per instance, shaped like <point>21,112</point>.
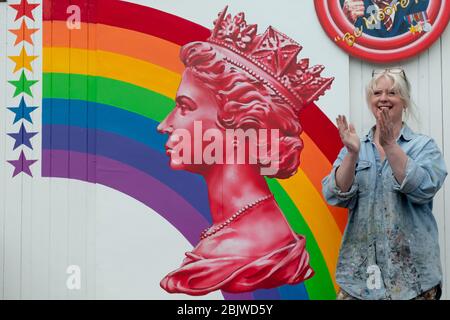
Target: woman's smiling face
<point>386,97</point>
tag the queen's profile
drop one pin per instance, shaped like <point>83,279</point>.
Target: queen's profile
<point>240,80</point>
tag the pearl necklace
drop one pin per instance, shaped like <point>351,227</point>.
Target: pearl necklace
<point>209,232</point>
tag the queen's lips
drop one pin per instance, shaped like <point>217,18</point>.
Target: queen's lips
<point>168,150</point>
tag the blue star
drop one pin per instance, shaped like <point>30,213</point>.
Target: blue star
<point>22,111</point>
<point>22,137</point>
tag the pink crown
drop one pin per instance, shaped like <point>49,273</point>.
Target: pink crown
<point>270,57</point>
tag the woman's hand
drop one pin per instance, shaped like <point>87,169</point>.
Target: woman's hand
<point>386,127</point>
<point>396,157</point>
<point>348,135</point>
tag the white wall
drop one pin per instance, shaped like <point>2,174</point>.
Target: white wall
<point>429,75</point>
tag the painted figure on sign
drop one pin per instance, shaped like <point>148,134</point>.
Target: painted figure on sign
<point>236,121</point>
<point>383,18</point>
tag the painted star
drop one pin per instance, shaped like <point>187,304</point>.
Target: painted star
<point>412,29</point>
<point>22,137</point>
<point>24,9</point>
<point>23,33</point>
<point>23,60</point>
<point>22,111</point>
<point>22,165</point>
<point>23,85</point>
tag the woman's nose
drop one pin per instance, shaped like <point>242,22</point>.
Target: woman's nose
<point>384,96</point>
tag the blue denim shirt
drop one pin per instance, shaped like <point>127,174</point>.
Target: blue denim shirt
<point>390,225</point>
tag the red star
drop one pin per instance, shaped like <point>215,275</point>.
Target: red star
<point>24,9</point>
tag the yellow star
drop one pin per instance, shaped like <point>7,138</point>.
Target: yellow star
<point>23,60</point>
<point>412,29</point>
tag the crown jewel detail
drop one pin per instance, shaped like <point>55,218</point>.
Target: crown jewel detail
<point>274,54</point>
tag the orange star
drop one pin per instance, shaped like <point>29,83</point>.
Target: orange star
<point>23,60</point>
<point>23,33</point>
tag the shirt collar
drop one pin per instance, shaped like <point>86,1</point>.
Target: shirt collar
<point>405,133</point>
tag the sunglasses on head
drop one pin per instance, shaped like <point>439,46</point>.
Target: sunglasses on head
<point>390,70</point>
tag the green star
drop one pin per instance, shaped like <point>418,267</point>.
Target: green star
<point>23,85</point>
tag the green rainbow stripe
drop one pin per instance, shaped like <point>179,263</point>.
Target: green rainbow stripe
<point>119,94</point>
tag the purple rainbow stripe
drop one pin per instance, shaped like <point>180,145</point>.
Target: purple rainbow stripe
<point>129,180</point>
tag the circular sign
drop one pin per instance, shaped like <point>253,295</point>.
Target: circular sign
<point>383,30</point>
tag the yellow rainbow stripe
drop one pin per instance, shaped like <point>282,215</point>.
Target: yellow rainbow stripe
<point>114,66</point>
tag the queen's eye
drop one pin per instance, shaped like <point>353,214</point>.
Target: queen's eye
<point>377,93</point>
<point>185,104</point>
<point>182,107</point>
<point>392,93</point>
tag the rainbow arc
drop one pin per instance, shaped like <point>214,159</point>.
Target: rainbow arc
<point>107,85</point>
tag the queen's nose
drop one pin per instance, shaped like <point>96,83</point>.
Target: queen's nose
<point>165,127</point>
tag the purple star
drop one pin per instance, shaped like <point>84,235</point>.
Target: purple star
<point>22,165</point>
<point>22,137</point>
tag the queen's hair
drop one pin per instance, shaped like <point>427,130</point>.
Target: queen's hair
<point>246,103</point>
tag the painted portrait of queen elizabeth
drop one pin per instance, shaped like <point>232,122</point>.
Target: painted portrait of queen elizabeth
<point>236,122</point>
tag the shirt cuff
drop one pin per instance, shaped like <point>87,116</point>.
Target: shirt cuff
<point>333,188</point>
<point>414,175</point>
